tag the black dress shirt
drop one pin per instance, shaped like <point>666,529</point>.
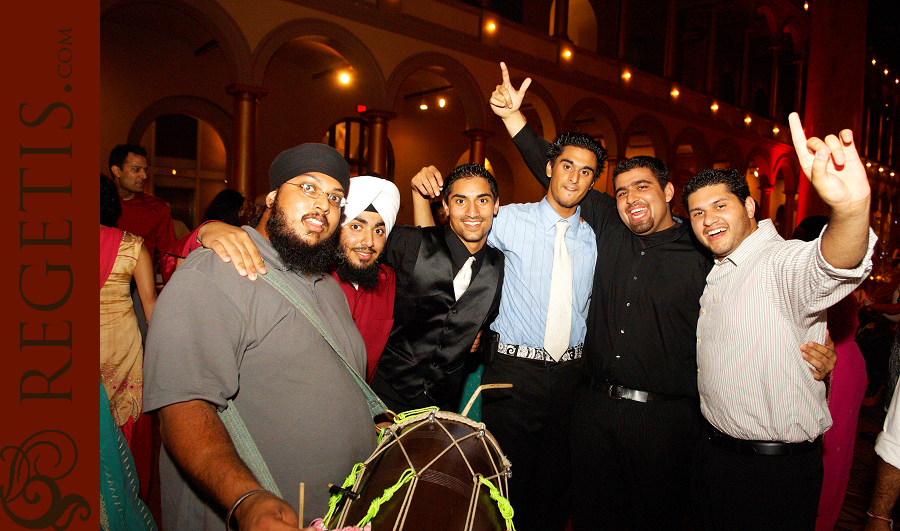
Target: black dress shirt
<point>642,322</point>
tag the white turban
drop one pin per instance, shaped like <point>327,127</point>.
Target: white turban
<point>382,194</point>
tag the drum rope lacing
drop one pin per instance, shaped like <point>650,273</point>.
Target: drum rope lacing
<point>411,476</point>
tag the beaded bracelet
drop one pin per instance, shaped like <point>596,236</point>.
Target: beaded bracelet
<point>238,502</point>
<point>888,520</point>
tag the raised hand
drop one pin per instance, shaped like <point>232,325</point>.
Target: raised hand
<point>833,167</point>
<point>428,182</point>
<point>506,100</point>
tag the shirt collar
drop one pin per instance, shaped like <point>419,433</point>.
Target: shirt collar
<point>664,236</point>
<point>459,253</point>
<point>550,217</point>
<point>752,244</point>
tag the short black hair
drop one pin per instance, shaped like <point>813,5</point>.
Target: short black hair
<point>119,153</point>
<point>654,165</point>
<point>110,207</point>
<point>467,171</point>
<point>734,182</point>
<point>579,140</point>
<point>226,206</point>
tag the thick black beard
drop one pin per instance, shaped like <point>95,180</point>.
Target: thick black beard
<point>297,255</point>
<point>364,277</point>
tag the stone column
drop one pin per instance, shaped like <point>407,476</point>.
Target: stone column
<point>765,201</point>
<point>477,140</point>
<point>377,160</point>
<point>243,151</point>
<point>561,19</point>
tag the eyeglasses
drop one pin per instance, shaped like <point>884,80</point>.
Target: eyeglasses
<point>314,192</point>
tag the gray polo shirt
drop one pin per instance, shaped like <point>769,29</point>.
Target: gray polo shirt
<point>216,335</point>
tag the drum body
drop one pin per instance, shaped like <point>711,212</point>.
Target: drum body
<point>441,455</point>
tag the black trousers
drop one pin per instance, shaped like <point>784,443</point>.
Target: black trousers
<point>632,461</point>
<point>398,404</point>
<point>531,422</point>
<point>736,492</point>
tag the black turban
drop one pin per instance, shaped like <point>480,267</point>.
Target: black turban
<point>307,158</point>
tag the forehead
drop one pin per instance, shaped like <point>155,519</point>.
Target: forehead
<point>369,218</point>
<point>710,194</point>
<point>470,186</point>
<point>626,178</point>
<point>579,155</point>
<point>135,160</point>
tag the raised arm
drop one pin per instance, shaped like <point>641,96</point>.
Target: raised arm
<point>505,102</point>
<point>839,177</point>
<point>426,185</point>
<point>198,441</point>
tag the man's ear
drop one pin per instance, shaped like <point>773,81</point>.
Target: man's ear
<point>549,168</point>
<point>115,171</point>
<point>669,192</point>
<point>270,198</point>
<point>496,205</point>
<point>750,206</point>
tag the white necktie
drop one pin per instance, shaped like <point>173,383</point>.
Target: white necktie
<point>559,311</point>
<point>462,279</point>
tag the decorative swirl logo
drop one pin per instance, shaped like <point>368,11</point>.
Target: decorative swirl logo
<point>32,499</point>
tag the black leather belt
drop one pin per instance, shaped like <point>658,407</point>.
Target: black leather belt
<point>623,393</point>
<point>752,448</point>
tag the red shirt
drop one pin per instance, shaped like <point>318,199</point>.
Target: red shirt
<point>150,218</point>
<point>373,313</point>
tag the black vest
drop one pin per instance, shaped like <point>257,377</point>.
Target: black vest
<point>433,332</point>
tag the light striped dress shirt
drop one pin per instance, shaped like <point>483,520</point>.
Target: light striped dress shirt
<point>525,234</point>
<point>760,303</point>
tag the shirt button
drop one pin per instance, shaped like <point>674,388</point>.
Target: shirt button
<point>627,304</point>
<point>453,311</point>
<point>617,357</point>
<point>642,253</point>
<point>622,331</point>
<point>702,310</point>
<point>701,399</point>
<point>698,341</point>
<point>698,370</point>
<point>635,278</point>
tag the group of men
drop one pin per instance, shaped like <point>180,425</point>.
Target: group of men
<point>619,328</point>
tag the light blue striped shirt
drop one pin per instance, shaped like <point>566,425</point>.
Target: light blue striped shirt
<point>525,234</point>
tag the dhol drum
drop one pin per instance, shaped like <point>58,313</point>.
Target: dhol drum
<point>433,470</point>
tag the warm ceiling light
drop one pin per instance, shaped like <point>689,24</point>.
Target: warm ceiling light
<point>423,107</point>
<point>747,120</point>
<point>674,93</point>
<point>626,75</point>
<point>881,169</point>
<point>567,54</point>
<point>442,102</point>
<point>806,6</point>
<point>345,78</point>
<point>173,171</point>
<point>775,129</point>
<point>492,26</point>
<point>873,60</point>
<point>755,173</point>
<point>714,106</point>
<point>868,165</point>
<point>885,71</point>
<point>897,81</point>
<point>892,174</point>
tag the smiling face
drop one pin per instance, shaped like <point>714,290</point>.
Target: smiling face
<point>571,176</point>
<point>311,219</point>
<point>131,175</point>
<point>720,219</point>
<point>471,208</point>
<point>642,203</point>
<point>363,239</point>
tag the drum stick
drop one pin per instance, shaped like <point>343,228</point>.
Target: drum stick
<point>300,508</point>
<point>477,392</point>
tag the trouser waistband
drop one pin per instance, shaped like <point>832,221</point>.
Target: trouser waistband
<point>538,354</point>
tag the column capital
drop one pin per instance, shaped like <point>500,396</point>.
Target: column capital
<point>478,133</point>
<point>237,90</point>
<point>377,115</point>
